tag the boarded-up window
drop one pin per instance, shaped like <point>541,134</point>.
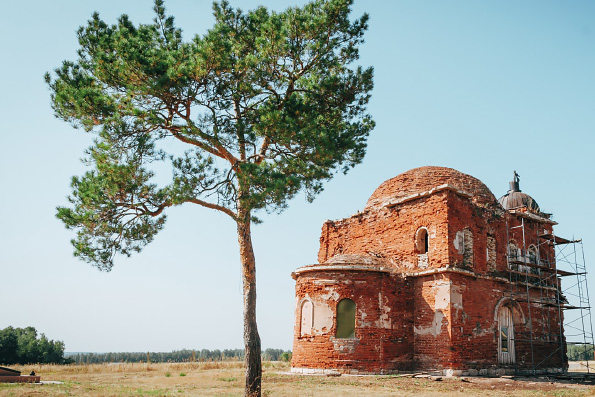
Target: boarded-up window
<point>345,319</point>
<point>307,318</point>
<point>468,246</point>
<point>491,253</point>
<point>460,242</point>
<point>463,243</point>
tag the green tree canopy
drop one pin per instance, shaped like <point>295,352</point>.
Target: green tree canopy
<point>24,346</point>
<point>266,104</point>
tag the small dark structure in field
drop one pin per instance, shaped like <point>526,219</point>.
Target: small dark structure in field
<point>8,375</point>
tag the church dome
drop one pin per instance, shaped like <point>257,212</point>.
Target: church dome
<point>424,179</point>
<point>516,199</point>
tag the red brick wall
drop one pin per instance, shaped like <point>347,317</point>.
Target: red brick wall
<point>383,336</point>
<point>468,336</point>
<point>432,325</point>
<point>442,320</point>
<point>390,232</point>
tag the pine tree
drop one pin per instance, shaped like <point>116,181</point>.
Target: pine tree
<point>266,103</point>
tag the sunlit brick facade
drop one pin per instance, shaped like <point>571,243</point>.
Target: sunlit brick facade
<point>427,283</point>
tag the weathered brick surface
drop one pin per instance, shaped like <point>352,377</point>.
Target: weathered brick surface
<point>390,233</point>
<point>383,336</point>
<point>419,180</point>
<point>433,311</point>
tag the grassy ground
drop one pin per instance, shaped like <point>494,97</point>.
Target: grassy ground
<point>226,379</point>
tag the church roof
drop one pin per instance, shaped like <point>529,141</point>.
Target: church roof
<point>424,179</point>
<point>515,198</point>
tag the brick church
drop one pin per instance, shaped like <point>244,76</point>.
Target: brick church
<point>435,274</point>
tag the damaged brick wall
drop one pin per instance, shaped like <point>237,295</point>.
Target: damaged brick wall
<point>390,233</point>
<point>382,340</point>
<point>434,309</point>
<point>455,324</point>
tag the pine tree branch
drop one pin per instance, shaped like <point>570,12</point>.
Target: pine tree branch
<point>218,150</point>
<point>217,207</point>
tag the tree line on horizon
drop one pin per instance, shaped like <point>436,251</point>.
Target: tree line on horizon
<point>27,346</point>
<point>24,346</point>
<point>176,356</point>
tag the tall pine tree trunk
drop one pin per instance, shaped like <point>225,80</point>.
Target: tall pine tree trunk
<point>251,337</point>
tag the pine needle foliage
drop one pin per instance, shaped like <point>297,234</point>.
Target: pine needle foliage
<point>270,94</point>
<point>268,104</point>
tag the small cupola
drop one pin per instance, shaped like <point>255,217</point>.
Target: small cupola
<point>516,199</point>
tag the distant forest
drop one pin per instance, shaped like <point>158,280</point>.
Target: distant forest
<point>574,353</point>
<point>176,356</point>
<point>579,352</point>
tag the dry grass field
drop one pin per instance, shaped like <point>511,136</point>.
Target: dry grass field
<point>226,379</point>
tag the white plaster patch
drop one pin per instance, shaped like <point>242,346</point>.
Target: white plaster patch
<point>363,323</point>
<point>384,320</point>
<point>456,297</point>
<point>323,318</point>
<point>332,295</point>
<point>422,261</point>
<point>441,295</point>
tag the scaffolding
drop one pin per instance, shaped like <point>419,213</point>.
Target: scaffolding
<point>547,274</point>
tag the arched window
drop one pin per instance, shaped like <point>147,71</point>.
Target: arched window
<point>531,258</point>
<point>468,246</point>
<point>307,320</point>
<point>345,319</point>
<point>422,241</point>
<point>532,254</point>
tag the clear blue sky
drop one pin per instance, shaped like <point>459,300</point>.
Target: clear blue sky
<point>485,87</point>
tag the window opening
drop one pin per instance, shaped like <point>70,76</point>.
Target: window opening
<point>422,241</point>
<point>345,319</point>
<point>504,339</point>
